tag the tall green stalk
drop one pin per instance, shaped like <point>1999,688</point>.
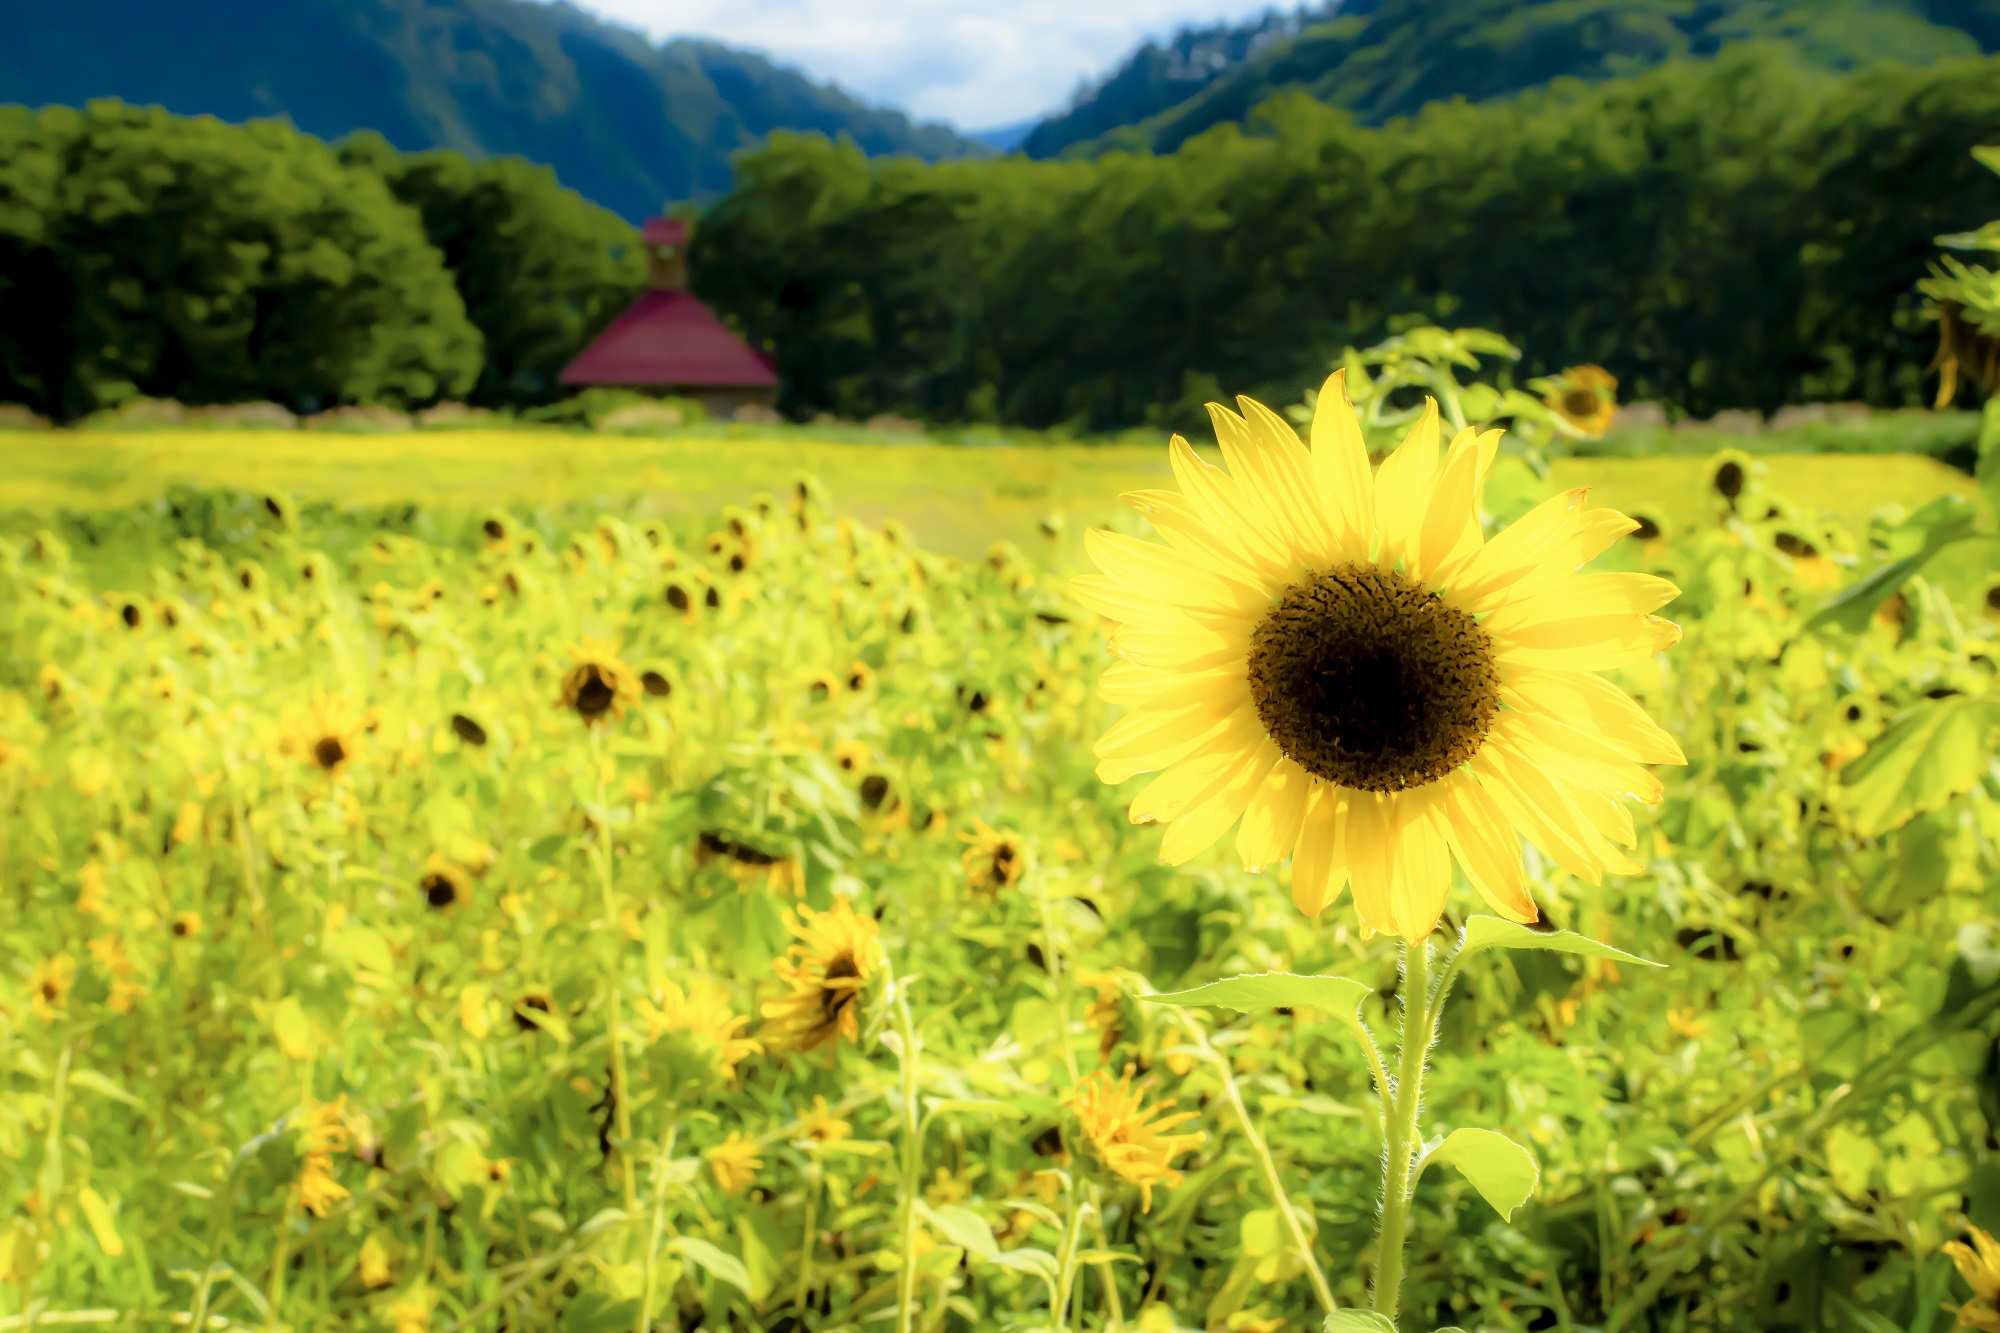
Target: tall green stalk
<point>621,1103</point>
<point>1400,1107</point>
<point>906,1059</point>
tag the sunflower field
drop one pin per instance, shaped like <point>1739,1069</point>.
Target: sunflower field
<point>423,918</point>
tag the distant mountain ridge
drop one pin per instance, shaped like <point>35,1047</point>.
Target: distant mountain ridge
<point>1386,58</point>
<point>627,123</point>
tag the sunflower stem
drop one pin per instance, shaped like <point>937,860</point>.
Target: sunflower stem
<point>913,1148</point>
<point>811,1241</point>
<point>650,1290</point>
<point>1399,1152</point>
<point>621,1105</point>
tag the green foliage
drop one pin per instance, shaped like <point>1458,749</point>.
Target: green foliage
<point>1391,58</point>
<point>628,123</point>
<point>149,254</point>
<point>541,269</point>
<point>1736,233</point>
<point>1501,1170</point>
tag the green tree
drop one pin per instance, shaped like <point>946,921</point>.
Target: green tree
<point>541,269</point>
<point>219,263</point>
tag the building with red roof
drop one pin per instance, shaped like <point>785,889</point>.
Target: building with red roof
<point>670,343</point>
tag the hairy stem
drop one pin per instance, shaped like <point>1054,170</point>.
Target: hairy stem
<point>1400,1134</point>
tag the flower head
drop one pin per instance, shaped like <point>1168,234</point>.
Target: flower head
<point>49,986</point>
<point>326,734</point>
<point>322,1131</point>
<point>1979,1264</point>
<point>1586,397</point>
<point>702,1014</point>
<point>993,861</point>
<point>734,1162</point>
<point>820,1126</point>
<point>1343,666</point>
<point>444,884</point>
<point>827,970</point>
<point>599,684</point>
<point>1130,1137</point>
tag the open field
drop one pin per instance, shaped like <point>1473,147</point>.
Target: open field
<point>955,499</point>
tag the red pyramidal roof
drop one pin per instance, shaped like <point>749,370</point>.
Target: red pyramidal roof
<point>670,338</point>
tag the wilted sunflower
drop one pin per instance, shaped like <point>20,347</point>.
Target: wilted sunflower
<point>327,734</point>
<point>1347,665</point>
<point>1586,397</point>
<point>993,862</point>
<point>1129,1136</point>
<point>827,970</point>
<point>599,684</point>
<point>702,1012</point>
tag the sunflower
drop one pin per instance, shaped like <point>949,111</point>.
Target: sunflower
<point>735,1162</point>
<point>827,970</point>
<point>820,1126</point>
<point>1979,1264</point>
<point>326,734</point>
<point>1344,663</point>
<point>993,862</point>
<point>1586,397</point>
<point>701,1012</point>
<point>1130,1137</point>
<point>322,1132</point>
<point>49,987</point>
<point>599,683</point>
<point>444,884</point>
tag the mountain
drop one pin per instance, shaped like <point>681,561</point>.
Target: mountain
<point>1386,58</point>
<point>628,123</point>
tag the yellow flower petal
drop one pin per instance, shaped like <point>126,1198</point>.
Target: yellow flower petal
<point>1271,822</point>
<point>1595,703</point>
<point>1196,828</point>
<point>1484,842</point>
<point>1450,534</point>
<point>1340,466</point>
<point>1319,861</point>
<point>1402,487</point>
<point>1419,862</point>
<point>1163,574</point>
<point>1151,738</point>
<point>1196,778</point>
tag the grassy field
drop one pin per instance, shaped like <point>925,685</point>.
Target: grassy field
<point>955,499</point>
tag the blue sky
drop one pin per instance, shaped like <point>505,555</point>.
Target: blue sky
<point>974,64</point>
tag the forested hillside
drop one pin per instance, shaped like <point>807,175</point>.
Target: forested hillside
<point>1387,58</point>
<point>1730,233</point>
<point>628,123</point>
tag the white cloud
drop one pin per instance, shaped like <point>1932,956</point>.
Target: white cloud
<point>976,64</point>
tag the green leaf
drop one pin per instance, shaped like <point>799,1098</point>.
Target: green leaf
<point>1357,1321</point>
<point>1988,469</point>
<point>1025,1260</point>
<point>102,1085</point>
<point>1106,1257</point>
<point>1945,521</point>
<point>545,850</point>
<point>963,1228</point>
<point>1339,996</point>
<point>1492,932</point>
<point>718,1264</point>
<point>1932,753</point>
<point>1501,1170</point>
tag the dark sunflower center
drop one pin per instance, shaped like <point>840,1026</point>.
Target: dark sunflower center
<point>594,693</point>
<point>1579,403</point>
<point>328,752</point>
<point>1364,679</point>
<point>439,891</point>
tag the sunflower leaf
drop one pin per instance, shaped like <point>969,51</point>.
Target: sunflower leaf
<point>1932,753</point>
<point>1945,521</point>
<point>1357,1321</point>
<point>717,1263</point>
<point>1339,996</point>
<point>1501,1170</point>
<point>1492,932</point>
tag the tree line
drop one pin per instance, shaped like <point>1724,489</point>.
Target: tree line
<point>1729,233</point>
<point>143,253</point>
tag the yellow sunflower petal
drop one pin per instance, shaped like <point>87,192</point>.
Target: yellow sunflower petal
<point>1521,551</point>
<point>1171,577</point>
<point>1340,465</point>
<point>1370,833</point>
<point>1577,757</point>
<point>1174,517</point>
<point>1586,643</point>
<point>1585,595</point>
<point>1197,827</point>
<point>1185,647</point>
<point>1195,778</point>
<point>1419,863</point>
<point>1230,515</point>
<point>1146,739</point>
<point>1271,821</point>
<point>1541,812</point>
<point>1319,861</point>
<point>1287,470</point>
<point>1129,684</point>
<point>1450,534</point>
<point>1485,844</point>
<point>1401,488</point>
<point>1593,702</point>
